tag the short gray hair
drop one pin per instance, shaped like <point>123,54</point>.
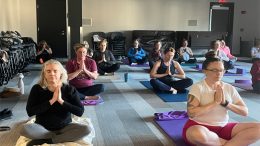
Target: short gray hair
<point>64,77</point>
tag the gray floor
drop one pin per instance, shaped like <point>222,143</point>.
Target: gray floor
<point>126,116</point>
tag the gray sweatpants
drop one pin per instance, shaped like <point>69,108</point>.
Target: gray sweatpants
<point>72,132</point>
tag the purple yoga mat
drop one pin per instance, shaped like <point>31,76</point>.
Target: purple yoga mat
<point>232,74</point>
<point>237,73</point>
<point>243,81</point>
<point>172,115</point>
<point>173,128</point>
<point>246,86</point>
<point>92,102</point>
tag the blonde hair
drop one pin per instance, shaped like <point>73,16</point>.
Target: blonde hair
<point>64,77</point>
<point>103,41</point>
<point>78,46</point>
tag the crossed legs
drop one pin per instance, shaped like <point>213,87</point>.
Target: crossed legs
<point>242,134</point>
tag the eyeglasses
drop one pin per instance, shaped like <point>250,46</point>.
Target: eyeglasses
<point>216,70</point>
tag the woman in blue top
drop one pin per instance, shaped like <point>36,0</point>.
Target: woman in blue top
<point>136,54</point>
<point>167,74</point>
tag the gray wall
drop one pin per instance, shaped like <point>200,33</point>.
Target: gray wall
<point>19,15</point>
<point>249,22</point>
<point>127,15</point>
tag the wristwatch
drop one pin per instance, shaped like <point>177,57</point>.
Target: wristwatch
<point>225,104</point>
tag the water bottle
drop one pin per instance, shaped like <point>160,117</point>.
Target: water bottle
<point>20,83</point>
<point>126,76</point>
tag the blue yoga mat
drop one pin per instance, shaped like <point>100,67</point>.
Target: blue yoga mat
<point>173,128</point>
<point>167,97</point>
<point>125,61</point>
<point>188,64</point>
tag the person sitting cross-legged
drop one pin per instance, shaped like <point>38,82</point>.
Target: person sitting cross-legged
<point>186,54</point>
<point>136,54</point>
<point>168,76</point>
<point>82,70</point>
<point>155,53</point>
<point>52,101</point>
<point>209,102</point>
<point>105,59</point>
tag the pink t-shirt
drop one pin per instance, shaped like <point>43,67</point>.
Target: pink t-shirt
<point>82,80</point>
<point>227,51</point>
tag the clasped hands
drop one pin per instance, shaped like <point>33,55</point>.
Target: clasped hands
<point>219,97</point>
<point>82,67</point>
<point>168,71</point>
<point>104,58</point>
<point>57,94</point>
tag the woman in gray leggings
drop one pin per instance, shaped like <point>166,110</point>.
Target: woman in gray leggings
<point>52,101</point>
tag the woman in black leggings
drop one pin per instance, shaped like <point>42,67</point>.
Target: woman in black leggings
<point>167,74</point>
<point>82,71</point>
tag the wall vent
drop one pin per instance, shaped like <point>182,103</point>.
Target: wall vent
<point>192,23</point>
<point>87,21</point>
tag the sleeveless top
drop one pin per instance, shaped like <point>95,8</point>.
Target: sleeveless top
<point>162,69</point>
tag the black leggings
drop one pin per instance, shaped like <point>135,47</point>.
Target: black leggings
<point>44,57</point>
<point>108,69</point>
<point>138,61</point>
<point>90,90</point>
<point>179,85</point>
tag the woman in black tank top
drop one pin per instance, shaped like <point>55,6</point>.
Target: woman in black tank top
<point>167,74</point>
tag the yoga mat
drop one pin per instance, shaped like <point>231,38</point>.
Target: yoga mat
<point>243,86</point>
<point>226,74</point>
<point>173,128</point>
<point>188,64</point>
<point>147,70</point>
<point>125,61</point>
<point>232,74</point>
<point>167,97</point>
<point>92,102</point>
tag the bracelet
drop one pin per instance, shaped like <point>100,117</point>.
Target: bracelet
<point>225,104</point>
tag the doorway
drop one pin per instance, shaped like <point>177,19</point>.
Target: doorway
<point>221,20</point>
<point>52,24</point>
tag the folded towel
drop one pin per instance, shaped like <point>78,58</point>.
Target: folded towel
<point>172,115</point>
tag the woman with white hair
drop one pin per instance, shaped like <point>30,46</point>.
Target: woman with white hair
<point>53,101</point>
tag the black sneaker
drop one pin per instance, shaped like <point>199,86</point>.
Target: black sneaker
<point>4,128</point>
<point>6,113</point>
<point>39,142</point>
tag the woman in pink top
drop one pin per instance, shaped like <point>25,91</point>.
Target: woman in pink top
<point>226,50</point>
<point>82,70</point>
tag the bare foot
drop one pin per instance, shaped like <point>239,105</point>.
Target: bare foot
<point>92,97</point>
